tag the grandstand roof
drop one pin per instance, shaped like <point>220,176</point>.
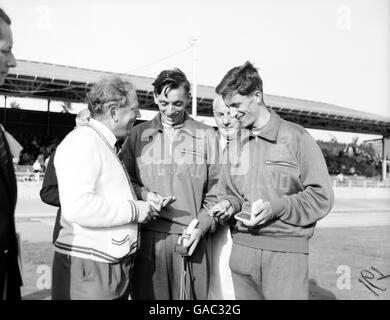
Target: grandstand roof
<point>58,82</point>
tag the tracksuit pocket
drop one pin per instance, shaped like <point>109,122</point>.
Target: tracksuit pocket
<point>87,269</point>
<point>193,153</point>
<point>240,261</point>
<point>280,163</point>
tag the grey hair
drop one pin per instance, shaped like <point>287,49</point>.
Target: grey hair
<point>107,92</point>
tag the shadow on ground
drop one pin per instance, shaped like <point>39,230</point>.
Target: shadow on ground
<point>318,293</point>
<point>38,295</point>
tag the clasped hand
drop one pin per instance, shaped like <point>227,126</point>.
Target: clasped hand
<point>261,212</point>
<point>157,201</point>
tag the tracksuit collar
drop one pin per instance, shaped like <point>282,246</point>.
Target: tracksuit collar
<point>189,125</point>
<point>270,131</point>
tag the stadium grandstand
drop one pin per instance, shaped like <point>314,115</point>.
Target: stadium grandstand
<point>41,131</point>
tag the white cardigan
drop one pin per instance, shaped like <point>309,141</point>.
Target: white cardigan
<point>96,196</point>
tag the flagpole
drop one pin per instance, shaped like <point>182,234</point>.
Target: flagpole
<point>194,80</point>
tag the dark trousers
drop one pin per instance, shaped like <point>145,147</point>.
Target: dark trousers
<point>261,274</point>
<point>158,269</point>
<point>76,278</point>
<point>10,280</point>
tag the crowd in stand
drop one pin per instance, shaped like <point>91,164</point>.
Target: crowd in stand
<point>351,159</point>
<point>36,149</point>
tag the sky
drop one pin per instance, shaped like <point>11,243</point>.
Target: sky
<point>330,51</point>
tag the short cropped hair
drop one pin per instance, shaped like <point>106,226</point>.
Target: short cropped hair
<point>244,80</point>
<point>171,79</point>
<point>107,92</point>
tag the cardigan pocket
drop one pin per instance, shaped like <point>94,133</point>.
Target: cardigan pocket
<point>120,242</point>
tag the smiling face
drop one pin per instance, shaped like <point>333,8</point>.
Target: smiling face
<point>172,104</point>
<point>125,117</point>
<point>246,109</point>
<point>7,59</point>
<point>227,125</point>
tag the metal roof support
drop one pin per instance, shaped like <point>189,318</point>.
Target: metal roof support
<point>48,117</point>
<point>35,80</point>
<point>195,80</point>
<point>384,163</point>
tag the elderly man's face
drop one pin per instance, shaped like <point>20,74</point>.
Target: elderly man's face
<point>127,117</point>
<point>7,59</point>
<point>173,105</point>
<point>227,125</point>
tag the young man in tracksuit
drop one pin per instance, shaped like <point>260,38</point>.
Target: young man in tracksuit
<point>277,173</point>
<point>173,163</point>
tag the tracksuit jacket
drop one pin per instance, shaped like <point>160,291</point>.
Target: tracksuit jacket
<point>283,165</point>
<point>187,169</point>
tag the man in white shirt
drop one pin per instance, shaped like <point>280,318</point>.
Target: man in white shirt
<point>100,213</point>
<point>221,282</point>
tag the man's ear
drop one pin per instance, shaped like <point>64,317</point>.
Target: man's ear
<point>114,113</point>
<point>259,97</point>
<point>189,98</point>
<point>155,98</point>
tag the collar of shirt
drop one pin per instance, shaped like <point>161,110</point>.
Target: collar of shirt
<point>14,146</point>
<point>107,133</point>
<point>174,127</point>
<point>224,142</point>
<point>188,126</point>
<point>256,132</point>
<point>270,130</point>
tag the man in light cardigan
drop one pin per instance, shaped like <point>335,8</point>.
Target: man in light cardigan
<point>95,248</point>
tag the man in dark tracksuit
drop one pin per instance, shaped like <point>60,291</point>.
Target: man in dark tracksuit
<point>278,174</point>
<point>10,278</point>
<point>49,193</point>
<point>173,155</point>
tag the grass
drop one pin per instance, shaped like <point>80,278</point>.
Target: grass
<point>357,248</point>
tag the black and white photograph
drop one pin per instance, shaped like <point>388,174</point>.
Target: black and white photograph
<point>211,151</point>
